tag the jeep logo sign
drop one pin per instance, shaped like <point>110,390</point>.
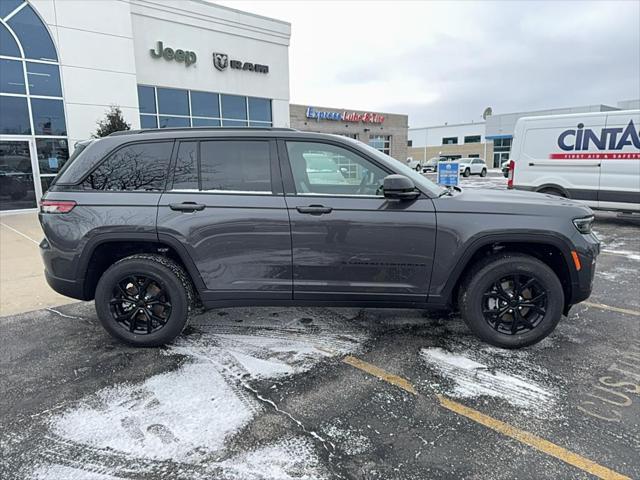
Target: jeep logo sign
<point>181,56</point>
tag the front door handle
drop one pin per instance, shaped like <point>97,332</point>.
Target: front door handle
<point>314,210</point>
<point>186,207</point>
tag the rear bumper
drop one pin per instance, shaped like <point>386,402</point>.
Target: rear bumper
<point>68,288</point>
<point>54,262</point>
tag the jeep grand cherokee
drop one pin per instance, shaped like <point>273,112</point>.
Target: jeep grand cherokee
<point>155,224</point>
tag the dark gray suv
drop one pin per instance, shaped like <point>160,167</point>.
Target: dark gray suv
<point>157,224</point>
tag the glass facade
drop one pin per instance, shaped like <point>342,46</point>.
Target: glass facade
<point>501,150</point>
<point>33,130</point>
<point>172,107</point>
<point>381,142</point>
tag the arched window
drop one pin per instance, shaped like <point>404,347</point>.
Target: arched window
<point>31,103</point>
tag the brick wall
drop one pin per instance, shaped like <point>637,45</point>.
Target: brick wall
<point>394,125</point>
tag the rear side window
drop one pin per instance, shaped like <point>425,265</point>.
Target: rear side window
<point>232,165</point>
<point>185,176</point>
<point>138,167</point>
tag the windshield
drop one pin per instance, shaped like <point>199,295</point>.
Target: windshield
<point>420,181</point>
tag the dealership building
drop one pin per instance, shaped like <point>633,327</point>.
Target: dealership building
<point>386,132</point>
<point>165,63</point>
<point>490,139</point>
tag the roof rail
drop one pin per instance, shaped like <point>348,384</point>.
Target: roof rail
<point>200,129</point>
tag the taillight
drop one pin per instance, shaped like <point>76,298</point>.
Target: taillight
<point>56,206</point>
<point>512,168</point>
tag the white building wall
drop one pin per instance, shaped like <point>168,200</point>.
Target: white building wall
<point>104,52</point>
<point>205,28</point>
<point>432,136</point>
<point>504,124</point>
<point>629,104</point>
<point>95,47</point>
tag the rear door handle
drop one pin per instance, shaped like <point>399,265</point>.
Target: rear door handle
<point>186,207</point>
<point>314,210</point>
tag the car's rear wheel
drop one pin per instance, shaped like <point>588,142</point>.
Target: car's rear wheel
<point>467,172</point>
<point>511,300</point>
<point>144,300</point>
<point>483,173</point>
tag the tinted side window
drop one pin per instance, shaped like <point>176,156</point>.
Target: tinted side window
<point>142,166</point>
<point>232,165</point>
<point>185,176</point>
<point>330,170</point>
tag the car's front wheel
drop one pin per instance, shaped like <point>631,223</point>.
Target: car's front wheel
<point>144,300</point>
<point>466,172</point>
<point>511,300</point>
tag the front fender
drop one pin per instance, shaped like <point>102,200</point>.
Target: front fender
<point>448,272</point>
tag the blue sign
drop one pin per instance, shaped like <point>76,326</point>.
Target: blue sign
<point>448,173</point>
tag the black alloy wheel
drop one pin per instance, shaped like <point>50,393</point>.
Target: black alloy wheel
<point>140,304</point>
<point>511,300</point>
<point>514,304</point>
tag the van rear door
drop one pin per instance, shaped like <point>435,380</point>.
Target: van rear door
<point>620,170</point>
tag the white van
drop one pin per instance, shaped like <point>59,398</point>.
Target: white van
<point>592,157</point>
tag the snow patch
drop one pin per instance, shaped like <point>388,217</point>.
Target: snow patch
<point>349,441</point>
<point>58,472</point>
<point>292,459</point>
<point>176,415</point>
<point>472,379</point>
<point>186,416</point>
<point>623,253</point>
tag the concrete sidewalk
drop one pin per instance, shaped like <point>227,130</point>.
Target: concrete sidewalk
<point>22,284</point>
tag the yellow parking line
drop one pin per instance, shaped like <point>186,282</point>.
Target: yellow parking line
<point>612,309</point>
<point>522,436</point>
<point>381,374</point>
<point>532,440</point>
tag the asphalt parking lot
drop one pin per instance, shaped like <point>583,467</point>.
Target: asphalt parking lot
<point>315,393</point>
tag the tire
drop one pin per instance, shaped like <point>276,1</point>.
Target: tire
<point>417,168</point>
<point>165,276</point>
<point>553,191</point>
<point>466,173</point>
<point>483,173</point>
<point>492,270</point>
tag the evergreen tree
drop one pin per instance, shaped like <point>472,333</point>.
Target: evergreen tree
<point>113,122</point>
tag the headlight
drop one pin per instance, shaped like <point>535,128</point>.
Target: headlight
<point>584,224</point>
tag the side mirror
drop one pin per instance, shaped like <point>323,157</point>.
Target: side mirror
<point>400,187</point>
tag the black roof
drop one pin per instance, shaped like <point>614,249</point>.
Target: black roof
<point>202,129</point>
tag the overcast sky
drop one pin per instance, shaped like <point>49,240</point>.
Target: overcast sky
<point>446,61</point>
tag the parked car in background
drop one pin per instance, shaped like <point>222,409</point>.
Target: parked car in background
<point>472,166</point>
<point>432,164</point>
<point>591,157</point>
<point>505,168</point>
<point>415,164</point>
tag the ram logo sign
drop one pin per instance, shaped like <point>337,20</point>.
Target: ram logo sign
<point>608,143</point>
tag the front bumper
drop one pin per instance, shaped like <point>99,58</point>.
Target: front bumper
<point>587,252</point>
